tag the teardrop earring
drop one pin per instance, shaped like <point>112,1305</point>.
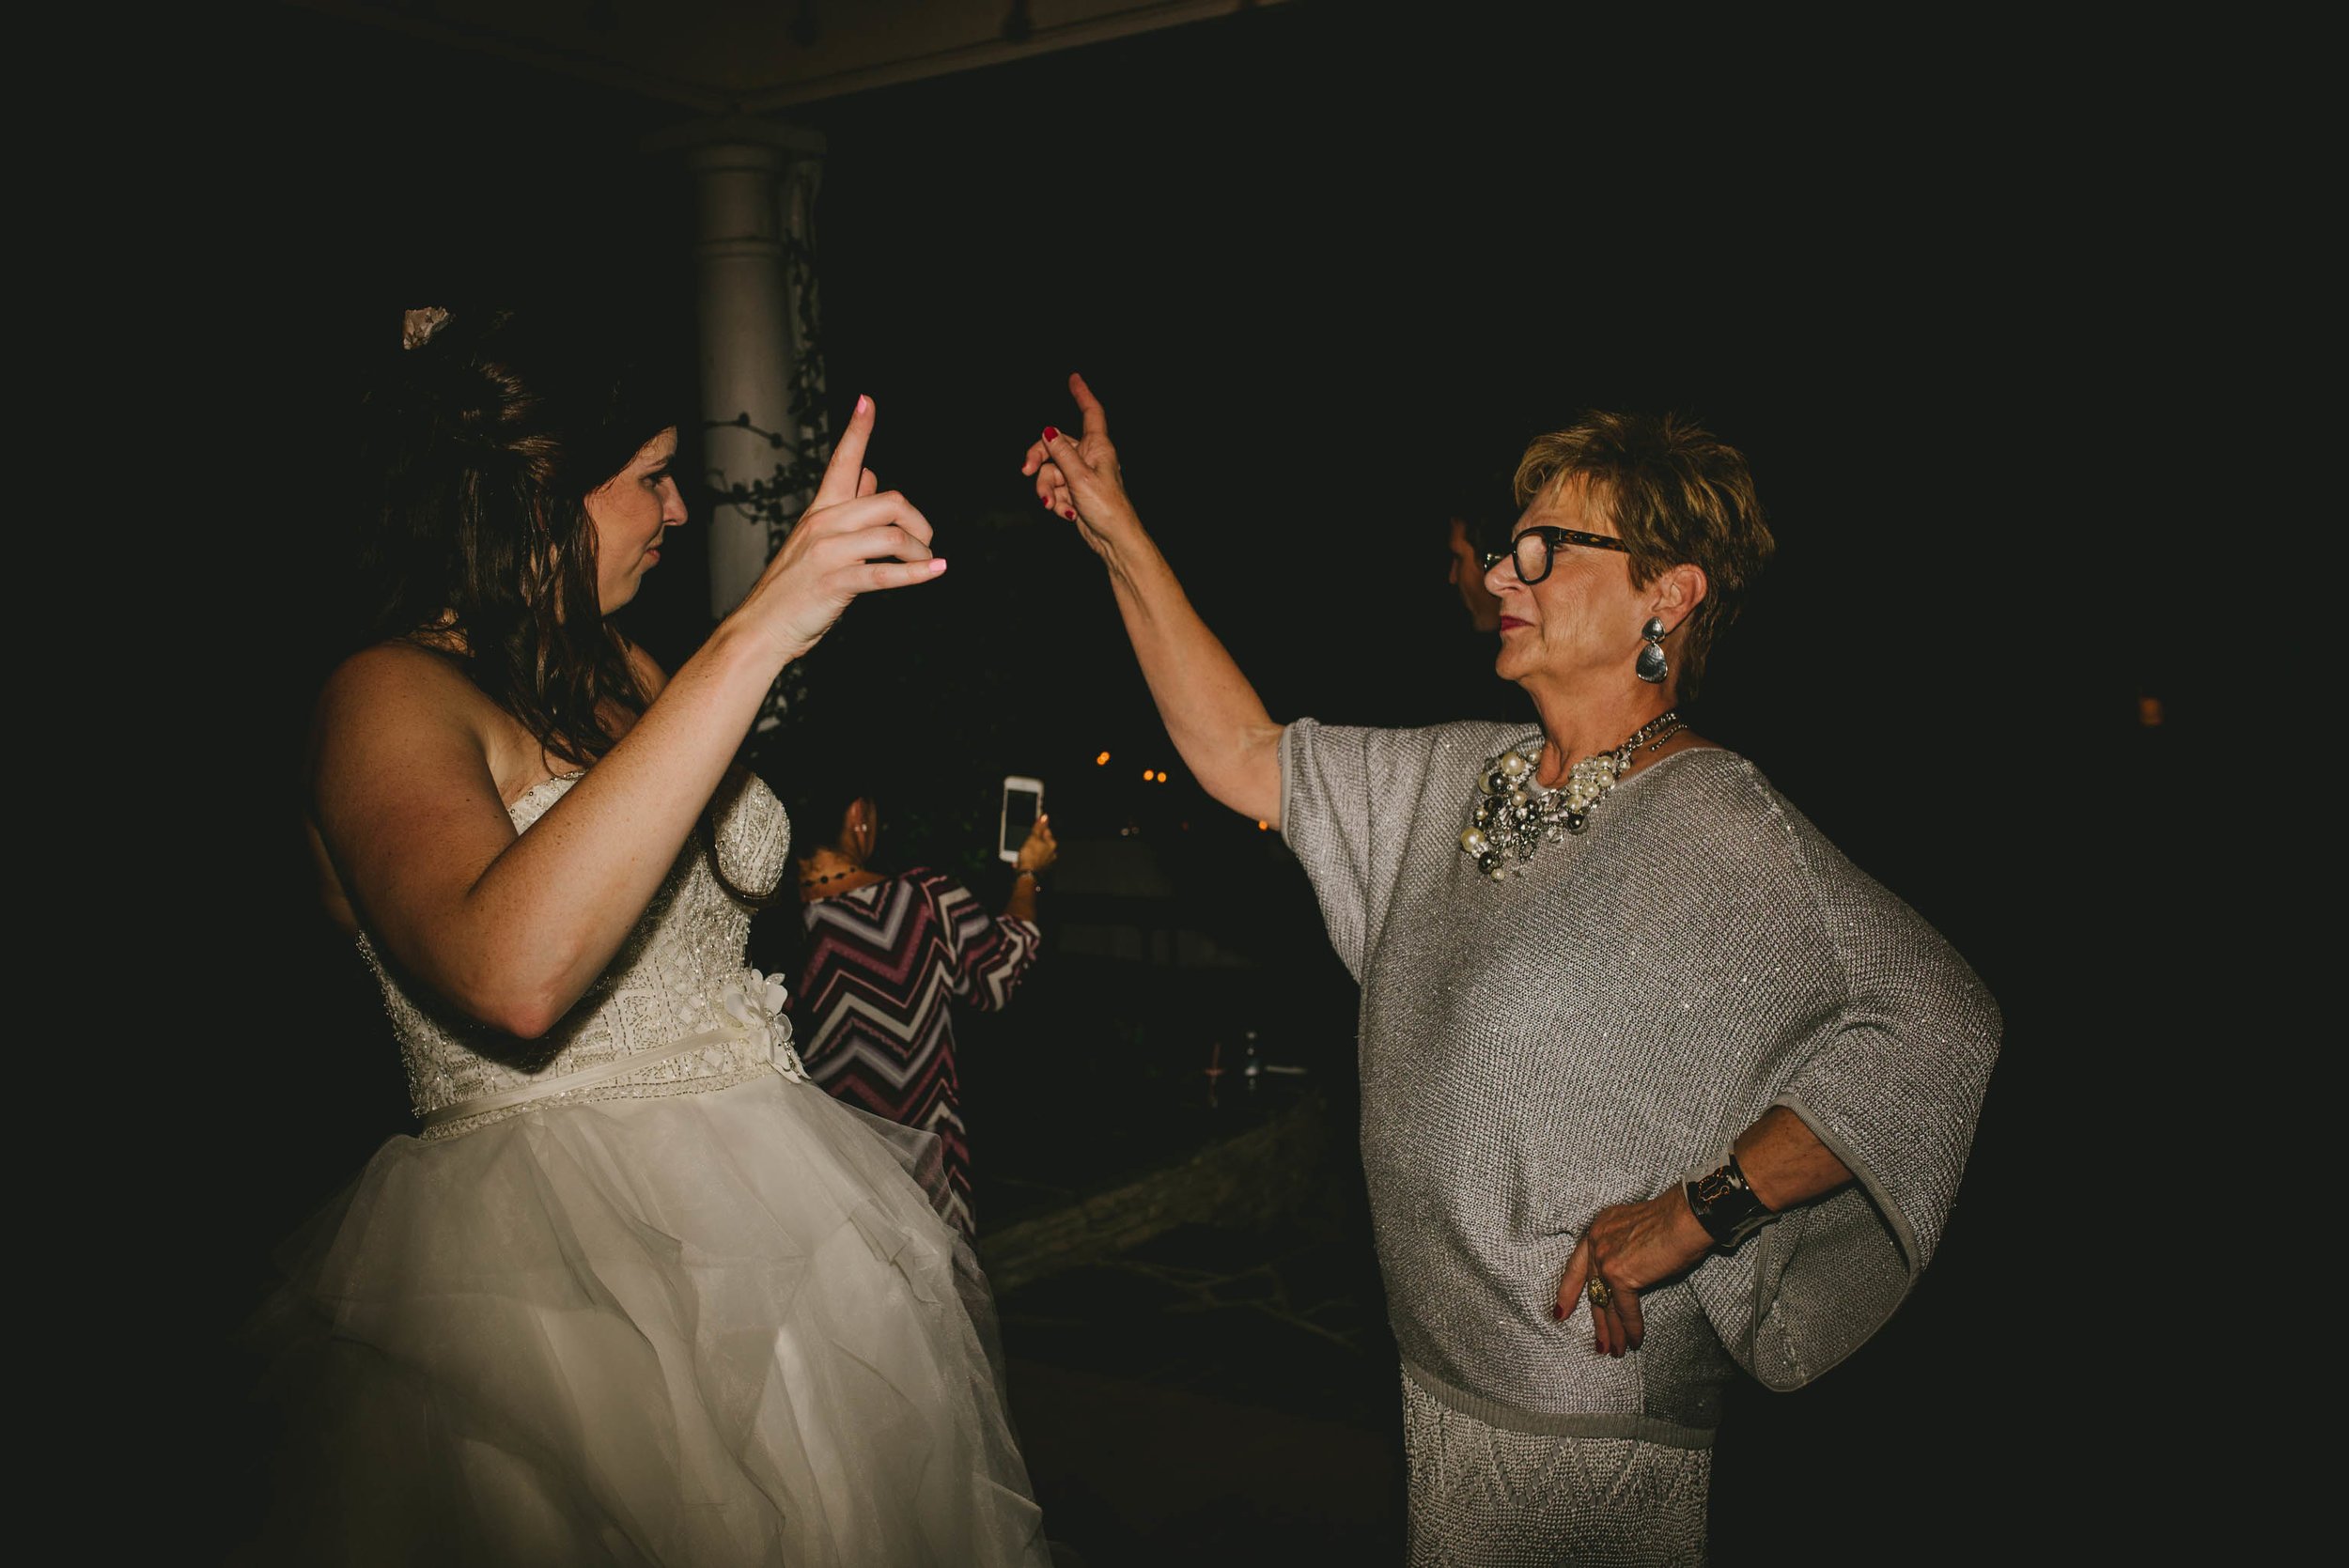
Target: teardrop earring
<point>1651,666</point>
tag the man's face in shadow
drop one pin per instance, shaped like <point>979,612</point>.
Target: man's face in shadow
<point>1468,576</point>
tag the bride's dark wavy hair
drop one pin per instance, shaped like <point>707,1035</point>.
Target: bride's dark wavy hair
<point>483,444</point>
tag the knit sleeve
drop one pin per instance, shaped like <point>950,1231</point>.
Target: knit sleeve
<point>986,955</point>
<point>1348,798</point>
<point>1893,1085</point>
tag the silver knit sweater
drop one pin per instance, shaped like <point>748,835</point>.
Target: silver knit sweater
<point>1598,1030</point>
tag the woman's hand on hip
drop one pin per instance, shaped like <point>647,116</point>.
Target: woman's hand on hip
<point>1630,1247</point>
<point>1079,478</point>
<point>853,538</point>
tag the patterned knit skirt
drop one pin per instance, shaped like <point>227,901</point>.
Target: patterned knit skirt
<point>1485,1497</point>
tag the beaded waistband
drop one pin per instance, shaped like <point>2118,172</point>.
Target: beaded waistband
<point>751,1037</point>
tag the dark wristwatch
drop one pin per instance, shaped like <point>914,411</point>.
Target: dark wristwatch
<point>1726,1206</point>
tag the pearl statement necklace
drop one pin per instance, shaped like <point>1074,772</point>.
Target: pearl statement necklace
<point>1513,814</point>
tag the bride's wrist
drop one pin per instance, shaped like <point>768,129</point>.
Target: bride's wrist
<point>740,643</point>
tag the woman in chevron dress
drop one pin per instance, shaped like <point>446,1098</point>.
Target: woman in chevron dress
<point>889,958</point>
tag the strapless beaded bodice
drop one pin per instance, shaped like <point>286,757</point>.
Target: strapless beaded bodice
<point>679,978</point>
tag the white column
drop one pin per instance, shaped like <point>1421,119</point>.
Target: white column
<point>754,181</point>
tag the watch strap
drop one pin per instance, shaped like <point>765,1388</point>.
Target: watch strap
<point>1725,1206</point>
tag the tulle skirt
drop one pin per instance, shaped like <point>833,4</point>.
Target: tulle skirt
<point>724,1328</point>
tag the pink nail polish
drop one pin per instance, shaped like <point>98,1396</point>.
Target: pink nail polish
<point>1050,434</point>
<point>862,403</point>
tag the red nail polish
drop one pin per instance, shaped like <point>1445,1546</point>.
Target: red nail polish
<point>1557,1311</point>
<point>1070,515</point>
<point>1050,434</point>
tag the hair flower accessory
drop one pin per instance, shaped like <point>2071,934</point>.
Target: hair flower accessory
<point>755,1002</point>
<point>417,326</point>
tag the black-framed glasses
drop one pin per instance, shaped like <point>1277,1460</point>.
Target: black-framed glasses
<point>1533,549</point>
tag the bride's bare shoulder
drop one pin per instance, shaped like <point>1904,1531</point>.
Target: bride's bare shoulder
<point>396,698</point>
<point>390,669</point>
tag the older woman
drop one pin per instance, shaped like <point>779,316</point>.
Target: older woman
<point>1656,1084</point>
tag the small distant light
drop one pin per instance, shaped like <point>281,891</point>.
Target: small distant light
<point>2149,711</point>
<point>1147,775</point>
<point>1101,761</point>
<point>1264,827</point>
<point>1161,775</point>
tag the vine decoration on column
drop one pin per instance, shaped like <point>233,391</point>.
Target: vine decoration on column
<point>775,502</point>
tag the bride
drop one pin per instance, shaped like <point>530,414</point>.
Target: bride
<point>636,1292</point>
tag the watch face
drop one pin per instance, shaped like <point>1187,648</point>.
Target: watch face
<point>1713,1188</point>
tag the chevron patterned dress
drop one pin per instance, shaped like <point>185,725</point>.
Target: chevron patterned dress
<point>887,964</point>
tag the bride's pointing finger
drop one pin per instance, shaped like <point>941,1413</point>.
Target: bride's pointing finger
<point>841,474</point>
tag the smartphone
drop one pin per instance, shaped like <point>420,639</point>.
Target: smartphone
<point>1023,798</point>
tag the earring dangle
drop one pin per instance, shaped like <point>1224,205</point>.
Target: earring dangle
<point>1651,666</point>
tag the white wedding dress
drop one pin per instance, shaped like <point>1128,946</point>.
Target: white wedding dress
<point>639,1292</point>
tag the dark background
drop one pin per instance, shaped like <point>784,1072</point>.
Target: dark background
<point>1329,269</point>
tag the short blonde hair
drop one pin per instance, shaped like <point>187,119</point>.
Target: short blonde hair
<point>1675,492</point>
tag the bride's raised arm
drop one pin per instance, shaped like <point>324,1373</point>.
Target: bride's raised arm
<point>405,799</point>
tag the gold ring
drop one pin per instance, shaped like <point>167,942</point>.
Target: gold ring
<point>1599,1292</point>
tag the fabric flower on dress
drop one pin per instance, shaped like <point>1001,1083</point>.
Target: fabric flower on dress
<point>755,1002</point>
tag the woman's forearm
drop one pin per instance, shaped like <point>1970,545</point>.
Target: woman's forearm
<point>1784,1162</point>
<point>1022,903</point>
<point>1214,717</point>
<point>1212,714</point>
<point>549,913</point>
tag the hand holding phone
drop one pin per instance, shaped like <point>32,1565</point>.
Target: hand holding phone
<point>1023,801</point>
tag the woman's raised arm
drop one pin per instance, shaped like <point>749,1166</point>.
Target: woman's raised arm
<point>1213,715</point>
